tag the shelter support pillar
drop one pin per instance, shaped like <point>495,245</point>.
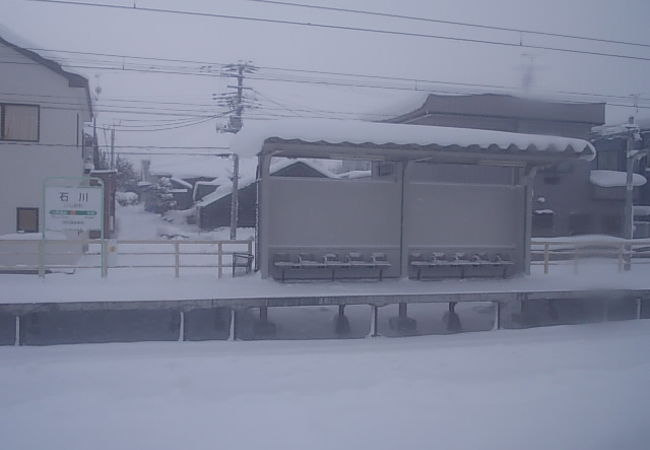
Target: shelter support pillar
<point>404,244</point>
<point>529,182</point>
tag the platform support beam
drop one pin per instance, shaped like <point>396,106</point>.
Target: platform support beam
<point>181,326</point>
<point>17,330</point>
<point>232,334</point>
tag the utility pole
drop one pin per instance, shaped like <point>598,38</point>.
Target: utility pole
<point>112,148</point>
<point>632,155</point>
<point>234,198</point>
<point>236,103</point>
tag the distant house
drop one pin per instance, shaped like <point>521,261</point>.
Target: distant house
<point>611,166</point>
<point>214,209</point>
<point>203,188</point>
<point>569,198</point>
<point>38,139</point>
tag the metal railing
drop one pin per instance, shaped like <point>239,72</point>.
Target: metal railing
<point>556,252</point>
<point>44,256</point>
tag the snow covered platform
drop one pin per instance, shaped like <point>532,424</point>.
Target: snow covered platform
<point>155,306</point>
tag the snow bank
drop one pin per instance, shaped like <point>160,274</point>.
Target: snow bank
<point>613,178</point>
<point>249,141</point>
<point>578,388</point>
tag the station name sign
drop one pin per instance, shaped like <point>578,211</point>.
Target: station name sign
<point>73,207</point>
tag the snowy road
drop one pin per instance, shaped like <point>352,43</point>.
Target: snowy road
<point>575,388</point>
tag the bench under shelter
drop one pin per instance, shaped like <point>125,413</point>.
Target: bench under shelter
<point>440,202</point>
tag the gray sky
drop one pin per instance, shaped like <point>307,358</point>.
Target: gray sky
<point>137,33</point>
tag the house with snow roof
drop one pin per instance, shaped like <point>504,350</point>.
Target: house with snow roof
<point>610,167</point>
<point>213,210</point>
<point>572,197</point>
<point>39,137</point>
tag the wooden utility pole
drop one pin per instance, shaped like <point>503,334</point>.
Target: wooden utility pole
<point>236,103</point>
<point>112,148</point>
<point>234,198</point>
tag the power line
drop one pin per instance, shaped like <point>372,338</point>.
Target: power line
<point>414,81</point>
<point>451,22</point>
<point>371,86</point>
<point>138,147</point>
<point>345,28</point>
<point>167,154</point>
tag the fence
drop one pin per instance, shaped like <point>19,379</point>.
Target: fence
<point>557,252</point>
<point>44,256</point>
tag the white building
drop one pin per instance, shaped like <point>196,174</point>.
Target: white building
<point>42,112</point>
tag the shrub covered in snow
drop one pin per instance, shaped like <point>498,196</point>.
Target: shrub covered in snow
<point>126,198</point>
<point>160,198</point>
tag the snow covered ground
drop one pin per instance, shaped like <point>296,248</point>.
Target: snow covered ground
<point>554,388</point>
<point>160,284</point>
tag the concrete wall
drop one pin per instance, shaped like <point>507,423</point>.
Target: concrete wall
<point>24,166</point>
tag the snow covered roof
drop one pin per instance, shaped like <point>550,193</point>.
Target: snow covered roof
<point>615,130</point>
<point>226,189</point>
<point>613,178</point>
<point>24,47</point>
<point>355,174</point>
<point>251,138</point>
<point>181,182</point>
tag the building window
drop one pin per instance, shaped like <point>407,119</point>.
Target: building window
<point>385,168</point>
<point>19,122</point>
<point>27,220</point>
<point>553,175</point>
<point>608,160</point>
<point>543,220</point>
<point>612,224</point>
<point>579,223</point>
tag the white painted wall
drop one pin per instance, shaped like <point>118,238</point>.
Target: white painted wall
<point>24,166</point>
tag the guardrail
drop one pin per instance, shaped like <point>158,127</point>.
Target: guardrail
<point>556,252</point>
<point>44,256</point>
<point>58,255</point>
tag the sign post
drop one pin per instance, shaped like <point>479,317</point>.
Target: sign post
<point>74,206</point>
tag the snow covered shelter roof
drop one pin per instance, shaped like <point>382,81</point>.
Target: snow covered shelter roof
<point>397,139</point>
